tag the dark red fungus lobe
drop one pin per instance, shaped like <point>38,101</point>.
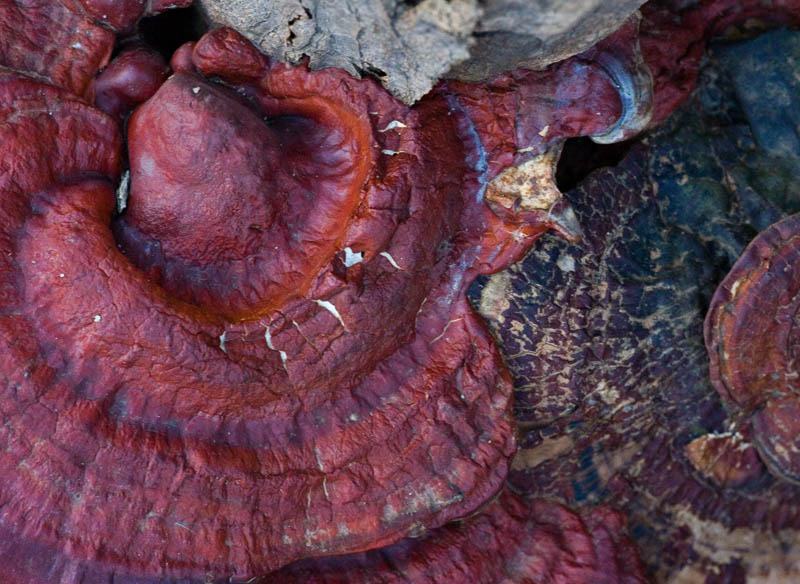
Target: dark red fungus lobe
<point>509,542</point>
<point>754,343</point>
<point>130,79</point>
<point>181,59</point>
<point>522,113</point>
<point>620,57</point>
<point>54,41</point>
<point>282,363</point>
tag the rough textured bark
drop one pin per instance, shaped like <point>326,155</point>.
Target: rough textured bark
<point>408,46</point>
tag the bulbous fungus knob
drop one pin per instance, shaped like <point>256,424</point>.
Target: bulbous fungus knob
<point>753,341</point>
<point>130,79</point>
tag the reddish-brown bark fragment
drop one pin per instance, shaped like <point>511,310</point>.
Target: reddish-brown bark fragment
<point>510,542</point>
<point>727,460</point>
<point>753,342</point>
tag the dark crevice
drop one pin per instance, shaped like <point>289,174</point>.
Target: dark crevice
<point>581,156</point>
<point>168,31</point>
<point>371,71</point>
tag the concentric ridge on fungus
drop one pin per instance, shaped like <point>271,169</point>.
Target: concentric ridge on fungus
<point>269,355</point>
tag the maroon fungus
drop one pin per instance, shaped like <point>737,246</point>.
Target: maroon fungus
<point>753,343</point>
<point>510,542</point>
<point>132,77</point>
<point>269,354</point>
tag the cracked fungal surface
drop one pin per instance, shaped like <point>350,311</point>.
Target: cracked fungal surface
<point>604,338</point>
<point>751,335</point>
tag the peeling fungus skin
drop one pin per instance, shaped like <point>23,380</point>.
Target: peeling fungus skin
<point>753,343</point>
<point>282,363</point>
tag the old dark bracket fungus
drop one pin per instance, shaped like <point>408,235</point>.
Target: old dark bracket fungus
<point>604,338</point>
<point>752,337</point>
<point>269,355</point>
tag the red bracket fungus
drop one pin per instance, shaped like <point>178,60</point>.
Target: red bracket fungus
<point>509,542</point>
<point>269,356</point>
<point>752,338</point>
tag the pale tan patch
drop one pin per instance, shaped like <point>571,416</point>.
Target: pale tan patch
<point>549,448</point>
<point>608,464</point>
<point>531,186</point>
<point>495,297</point>
<point>761,553</point>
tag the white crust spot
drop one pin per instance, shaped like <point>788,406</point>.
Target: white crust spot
<point>392,125</point>
<point>352,258</point>
<point>268,338</point>
<point>332,309</point>
<point>222,342</point>
<point>389,257</point>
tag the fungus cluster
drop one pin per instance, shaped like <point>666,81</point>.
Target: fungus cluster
<point>247,341</point>
<point>235,332</point>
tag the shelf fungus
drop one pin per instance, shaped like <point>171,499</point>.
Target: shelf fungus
<point>511,541</point>
<point>752,338</point>
<point>254,345</point>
